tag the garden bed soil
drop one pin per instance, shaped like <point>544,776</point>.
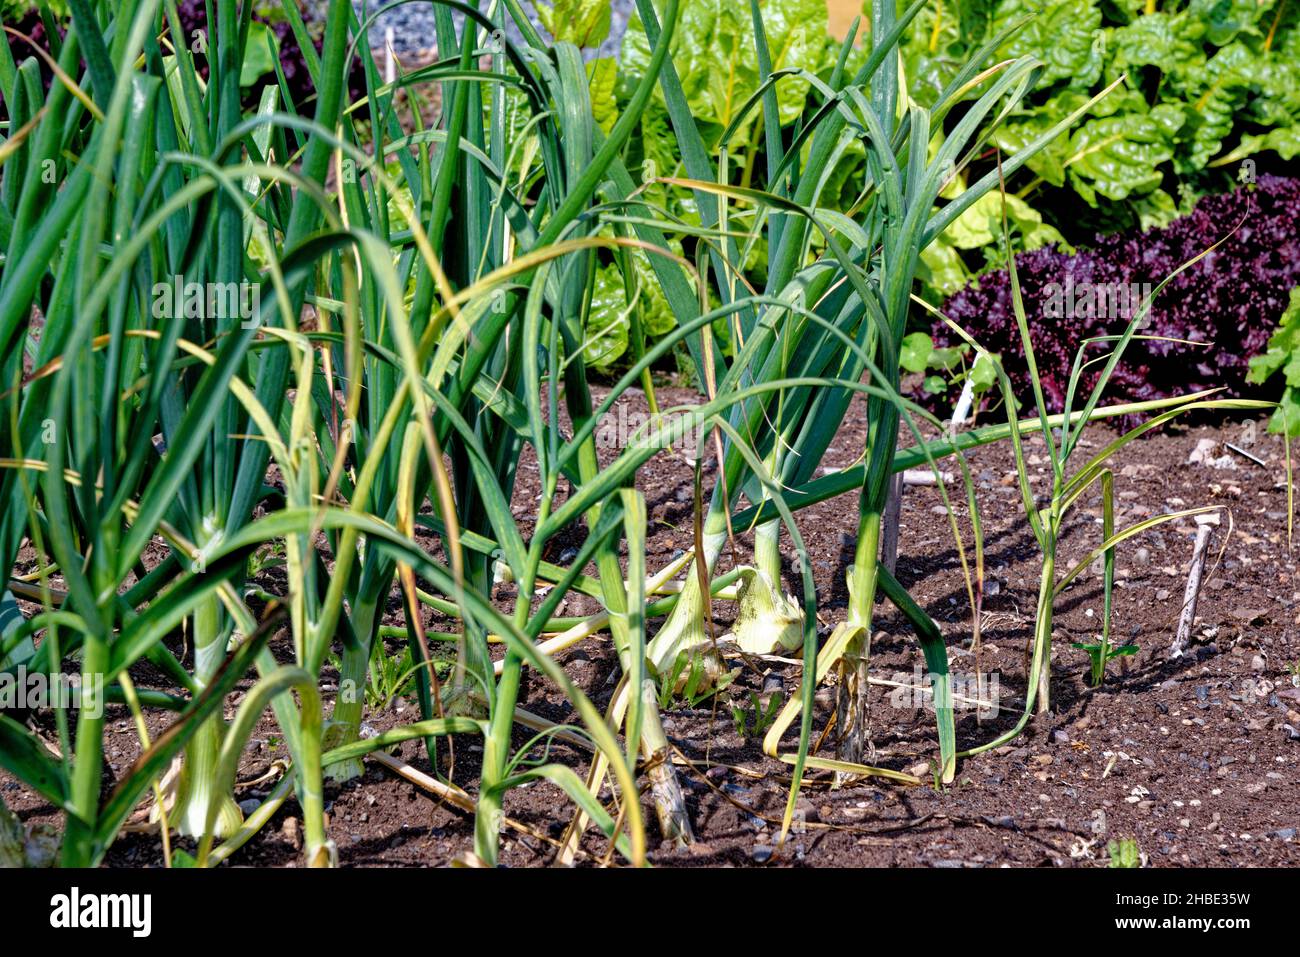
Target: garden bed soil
<point>1195,758</point>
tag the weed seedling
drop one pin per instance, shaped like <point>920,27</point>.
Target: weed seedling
<point>1124,853</point>
<point>753,722</point>
<point>1101,654</point>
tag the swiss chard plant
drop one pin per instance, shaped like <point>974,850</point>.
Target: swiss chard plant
<point>1205,85</point>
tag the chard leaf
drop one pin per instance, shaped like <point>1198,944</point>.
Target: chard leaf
<point>584,23</point>
<point>713,51</point>
<point>1168,41</point>
<point>1017,132</point>
<point>934,50</point>
<point>980,224</point>
<point>1064,34</point>
<point>606,335</point>
<point>1118,156</point>
<point>1225,20</point>
<point>604,102</point>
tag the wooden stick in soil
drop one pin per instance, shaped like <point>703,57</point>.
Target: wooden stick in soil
<point>1204,530</point>
<point>894,508</point>
<point>448,793</point>
<point>889,522</point>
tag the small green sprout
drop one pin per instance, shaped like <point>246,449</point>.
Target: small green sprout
<point>1124,853</point>
<point>753,722</point>
<point>1102,654</point>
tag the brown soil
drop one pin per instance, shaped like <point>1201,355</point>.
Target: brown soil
<point>1195,758</point>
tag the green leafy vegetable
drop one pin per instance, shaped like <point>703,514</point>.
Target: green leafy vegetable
<point>713,52</point>
<point>1283,355</point>
<point>1204,85</point>
<point>584,23</point>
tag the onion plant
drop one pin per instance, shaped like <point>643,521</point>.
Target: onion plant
<point>146,403</point>
<point>1047,511</point>
<point>415,304</point>
<point>836,282</point>
<point>136,426</point>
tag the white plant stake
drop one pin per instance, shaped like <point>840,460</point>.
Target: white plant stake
<point>390,60</point>
<point>1204,530</point>
<point>926,477</point>
<point>961,410</point>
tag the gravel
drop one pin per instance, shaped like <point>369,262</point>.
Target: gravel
<point>413,26</point>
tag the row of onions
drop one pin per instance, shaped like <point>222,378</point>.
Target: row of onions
<point>422,292</point>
